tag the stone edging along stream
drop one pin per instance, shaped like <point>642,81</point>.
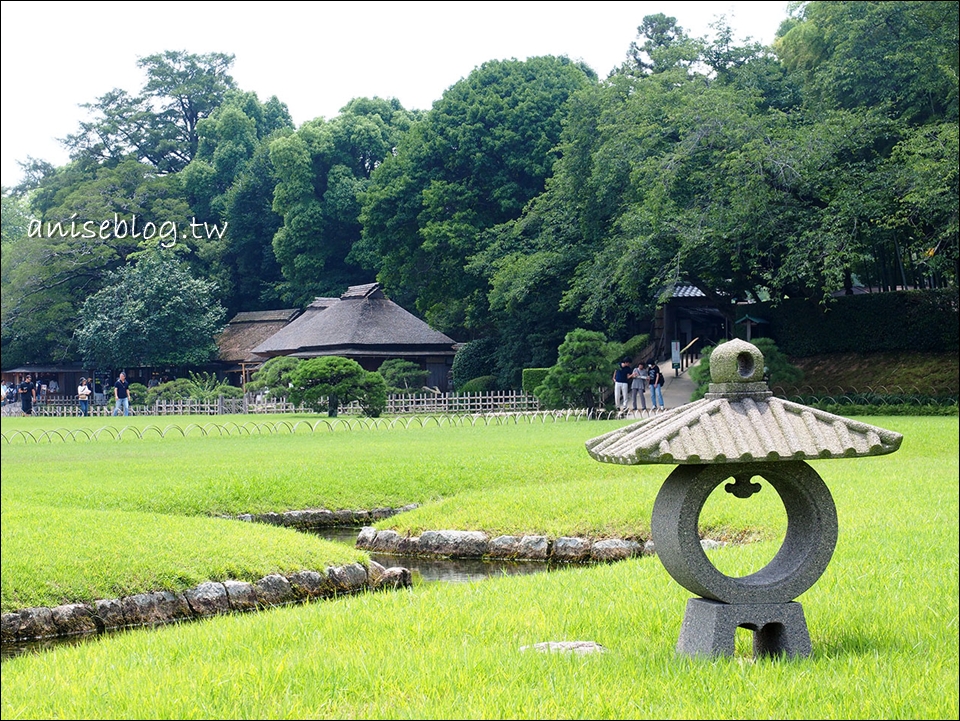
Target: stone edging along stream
<point>213,597</point>
<point>210,598</point>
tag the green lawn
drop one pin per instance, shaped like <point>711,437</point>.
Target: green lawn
<point>882,619</point>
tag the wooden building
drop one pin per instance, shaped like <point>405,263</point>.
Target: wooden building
<point>365,326</point>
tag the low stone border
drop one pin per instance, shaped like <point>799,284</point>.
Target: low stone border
<point>316,518</point>
<point>476,544</point>
<point>208,599</point>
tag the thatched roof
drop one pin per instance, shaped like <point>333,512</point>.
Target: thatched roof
<point>246,330</point>
<point>361,323</point>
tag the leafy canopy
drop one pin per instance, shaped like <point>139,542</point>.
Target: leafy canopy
<point>152,313</point>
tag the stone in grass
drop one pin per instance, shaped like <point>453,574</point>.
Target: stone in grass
<point>73,618</point>
<point>614,549</point>
<point>208,599</point>
<point>396,577</point>
<point>349,578</point>
<point>274,590</point>
<point>393,577</point>
<point>241,595</point>
<point>146,609</point>
<point>310,584</point>
<point>571,549</point>
<point>581,648</point>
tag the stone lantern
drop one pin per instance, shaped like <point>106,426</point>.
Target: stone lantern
<point>736,432</point>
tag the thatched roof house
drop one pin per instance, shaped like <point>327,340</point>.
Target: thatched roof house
<point>369,328</point>
<point>247,330</point>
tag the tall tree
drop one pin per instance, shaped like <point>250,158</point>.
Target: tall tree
<point>159,124</point>
<point>323,170</point>
<point>148,314</point>
<point>483,151</point>
<point>231,182</point>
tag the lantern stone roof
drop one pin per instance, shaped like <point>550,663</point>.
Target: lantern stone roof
<point>740,421</point>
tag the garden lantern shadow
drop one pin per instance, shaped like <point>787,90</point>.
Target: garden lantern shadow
<point>740,431</point>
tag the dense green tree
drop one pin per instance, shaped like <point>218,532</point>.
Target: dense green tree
<point>898,56</point>
<point>583,367</point>
<point>322,170</point>
<point>337,381</point>
<point>151,313</point>
<point>482,152</point>
<point>231,183</point>
<point>159,125</point>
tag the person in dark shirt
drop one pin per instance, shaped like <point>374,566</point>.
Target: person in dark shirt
<point>655,378</point>
<point>28,394</point>
<point>621,383</point>
<point>121,394</point>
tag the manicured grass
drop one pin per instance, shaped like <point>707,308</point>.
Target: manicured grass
<point>883,618</point>
<point>53,555</point>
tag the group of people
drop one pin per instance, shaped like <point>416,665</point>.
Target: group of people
<point>631,382</point>
<point>27,390</point>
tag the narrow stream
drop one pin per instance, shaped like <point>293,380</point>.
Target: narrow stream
<point>447,570</point>
<point>422,569</point>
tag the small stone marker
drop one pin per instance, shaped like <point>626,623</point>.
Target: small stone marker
<point>577,647</point>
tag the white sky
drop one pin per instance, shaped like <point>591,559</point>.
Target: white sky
<point>314,57</point>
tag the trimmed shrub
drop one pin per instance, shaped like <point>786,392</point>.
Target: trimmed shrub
<point>533,377</point>
<point>138,394</point>
<point>483,384</point>
<point>473,360</point>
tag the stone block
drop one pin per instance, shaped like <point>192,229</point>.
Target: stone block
<point>208,599</point>
<point>274,590</point>
<point>349,578</point>
<point>109,613</point>
<point>9,627</point>
<point>36,623</point>
<point>366,537</point>
<point>147,609</point>
<point>570,549</point>
<point>614,549</point>
<point>241,596</point>
<point>504,547</point>
<point>535,548</point>
<point>73,619</point>
<point>310,584</point>
<point>709,628</point>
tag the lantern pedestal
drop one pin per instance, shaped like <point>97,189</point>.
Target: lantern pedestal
<point>709,628</point>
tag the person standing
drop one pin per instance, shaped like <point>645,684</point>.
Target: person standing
<point>638,386</point>
<point>121,394</point>
<point>28,394</point>
<point>621,382</point>
<point>655,379</point>
<point>83,394</point>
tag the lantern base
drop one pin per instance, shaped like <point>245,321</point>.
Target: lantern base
<point>709,628</point>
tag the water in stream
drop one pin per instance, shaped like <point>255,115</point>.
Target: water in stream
<point>449,570</point>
